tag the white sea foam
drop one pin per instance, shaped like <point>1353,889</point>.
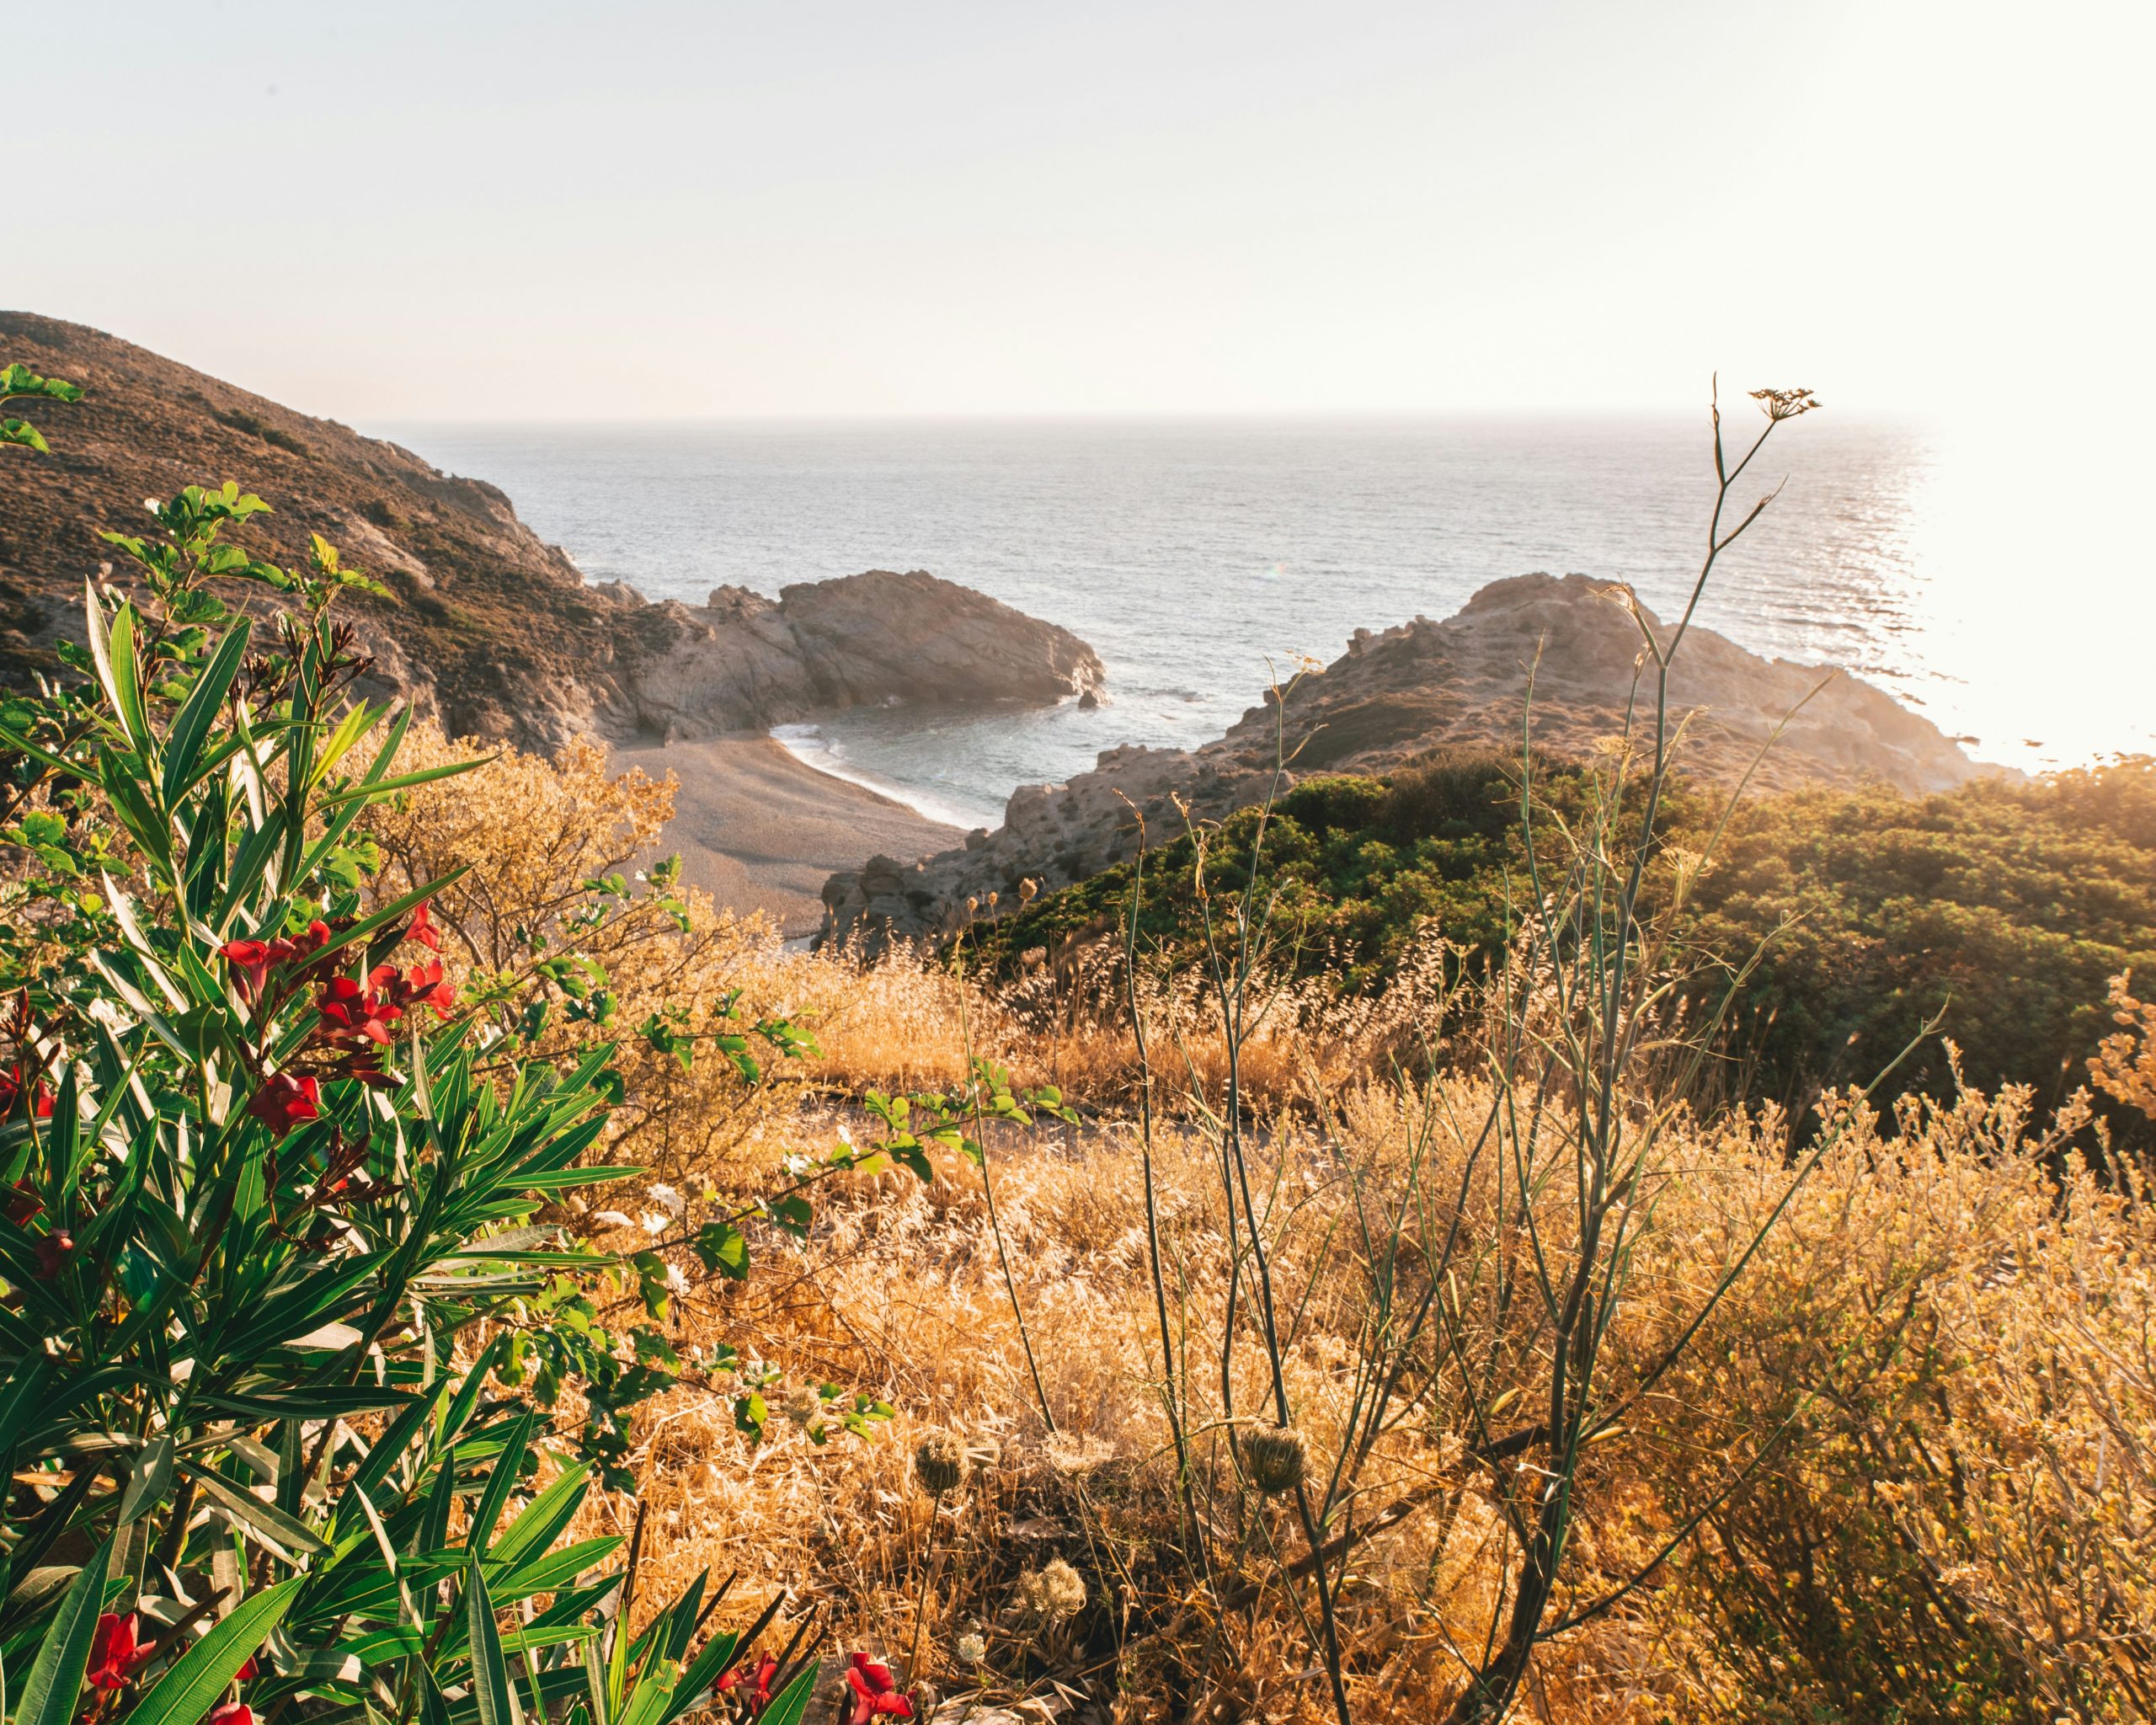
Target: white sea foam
<point>807,743</point>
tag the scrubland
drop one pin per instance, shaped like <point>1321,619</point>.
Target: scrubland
<point>1900,1467</point>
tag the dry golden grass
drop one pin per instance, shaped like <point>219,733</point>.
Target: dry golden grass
<point>1916,1440</point>
<point>1942,1355</point>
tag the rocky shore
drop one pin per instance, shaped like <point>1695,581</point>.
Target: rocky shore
<point>742,662</point>
<point>1402,694</point>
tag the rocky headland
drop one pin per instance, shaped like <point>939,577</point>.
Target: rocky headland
<point>1405,693</point>
<point>488,629</point>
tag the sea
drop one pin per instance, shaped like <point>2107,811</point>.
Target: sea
<point>1202,560</point>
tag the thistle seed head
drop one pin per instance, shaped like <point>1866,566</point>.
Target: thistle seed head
<point>939,1461</point>
<point>1276,1457</point>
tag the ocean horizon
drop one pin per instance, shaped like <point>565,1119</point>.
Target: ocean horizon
<point>1203,557</point>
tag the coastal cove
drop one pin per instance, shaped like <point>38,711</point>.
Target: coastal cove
<point>1200,557</point>
<point>1076,866</point>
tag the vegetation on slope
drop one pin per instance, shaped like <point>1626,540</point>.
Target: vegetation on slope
<point>1871,911</point>
<point>496,622</point>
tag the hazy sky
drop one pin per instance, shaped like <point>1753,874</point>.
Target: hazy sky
<point>459,210</point>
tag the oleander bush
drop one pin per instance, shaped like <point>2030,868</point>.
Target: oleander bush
<point>302,1382</point>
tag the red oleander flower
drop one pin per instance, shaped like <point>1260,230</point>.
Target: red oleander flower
<point>422,929</point>
<point>245,1671</point>
<point>756,1695</point>
<point>53,1250</point>
<point>113,1652</point>
<point>285,1101</point>
<point>14,1079</point>
<point>254,959</point>
<point>19,1202</point>
<point>233,1713</point>
<point>420,986</point>
<point>352,1012</point>
<point>875,1696</point>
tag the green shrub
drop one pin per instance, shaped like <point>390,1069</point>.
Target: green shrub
<point>2005,906</point>
<point>241,420</point>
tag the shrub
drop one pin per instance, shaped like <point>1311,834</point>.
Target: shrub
<point>241,420</point>
<point>1869,912</point>
<point>1880,911</point>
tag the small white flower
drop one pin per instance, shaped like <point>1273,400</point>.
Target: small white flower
<point>614,1218</point>
<point>667,1199</point>
<point>676,1283</point>
<point>971,1648</point>
<point>655,1223</point>
<point>846,1137</point>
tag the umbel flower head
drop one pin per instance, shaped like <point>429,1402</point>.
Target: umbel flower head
<point>939,1461</point>
<point>1053,1592</point>
<point>1276,1456</point>
<point>1785,404</point>
<point>971,1647</point>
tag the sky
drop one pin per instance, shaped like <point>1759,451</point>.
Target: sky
<point>511,210</point>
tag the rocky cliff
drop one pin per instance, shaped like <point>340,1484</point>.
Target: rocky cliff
<point>1403,693</point>
<point>486,628</point>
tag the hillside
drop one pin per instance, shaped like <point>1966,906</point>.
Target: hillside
<point>490,630</point>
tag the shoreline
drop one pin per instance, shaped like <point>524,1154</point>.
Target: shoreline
<point>761,829</point>
<point>808,743</point>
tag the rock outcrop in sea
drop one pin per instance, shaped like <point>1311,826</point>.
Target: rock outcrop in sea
<point>744,661</point>
<point>1403,694</point>
<point>486,628</point>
